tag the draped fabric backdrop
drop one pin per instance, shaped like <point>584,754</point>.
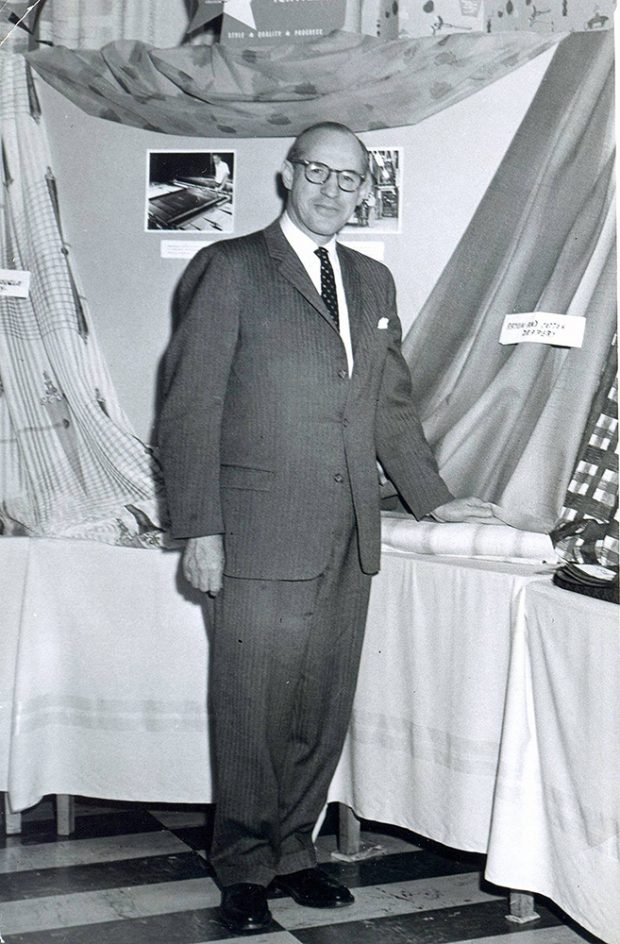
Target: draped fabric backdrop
<point>506,421</point>
<point>70,465</point>
<point>276,91</point>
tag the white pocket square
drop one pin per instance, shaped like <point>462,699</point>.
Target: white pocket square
<point>383,323</point>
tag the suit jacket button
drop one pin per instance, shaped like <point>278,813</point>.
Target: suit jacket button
<point>343,374</point>
<point>338,477</point>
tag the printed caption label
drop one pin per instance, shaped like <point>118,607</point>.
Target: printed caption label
<point>181,249</point>
<point>543,327</point>
<point>14,283</point>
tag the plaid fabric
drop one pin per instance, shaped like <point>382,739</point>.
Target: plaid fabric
<point>70,464</point>
<point>587,530</point>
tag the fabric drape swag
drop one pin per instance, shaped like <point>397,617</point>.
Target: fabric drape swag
<point>70,465</point>
<point>506,421</point>
<point>272,91</point>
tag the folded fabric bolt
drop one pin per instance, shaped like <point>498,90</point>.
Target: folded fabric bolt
<point>498,542</point>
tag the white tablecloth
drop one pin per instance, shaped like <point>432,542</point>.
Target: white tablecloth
<point>556,810</point>
<point>486,715</point>
<point>108,695</point>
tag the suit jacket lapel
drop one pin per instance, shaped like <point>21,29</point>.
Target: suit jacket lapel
<point>359,321</point>
<point>292,269</point>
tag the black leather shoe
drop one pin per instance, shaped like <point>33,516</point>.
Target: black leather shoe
<point>314,889</point>
<point>244,908</point>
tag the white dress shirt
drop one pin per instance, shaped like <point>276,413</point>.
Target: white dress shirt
<point>305,248</point>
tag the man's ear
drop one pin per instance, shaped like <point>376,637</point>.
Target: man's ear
<point>287,171</point>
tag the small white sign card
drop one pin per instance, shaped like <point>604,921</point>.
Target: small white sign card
<point>181,249</point>
<point>14,283</point>
<point>543,327</point>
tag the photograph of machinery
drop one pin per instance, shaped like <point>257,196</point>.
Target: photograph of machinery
<point>190,191</point>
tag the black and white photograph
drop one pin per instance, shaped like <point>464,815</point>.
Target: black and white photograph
<point>309,529</point>
<point>190,191</point>
<point>380,210</point>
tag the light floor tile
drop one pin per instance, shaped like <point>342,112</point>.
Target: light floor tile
<point>389,845</point>
<point>112,904</point>
<point>19,858</point>
<point>382,900</point>
<point>559,935</point>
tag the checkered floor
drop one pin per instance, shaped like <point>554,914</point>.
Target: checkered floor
<point>132,875</point>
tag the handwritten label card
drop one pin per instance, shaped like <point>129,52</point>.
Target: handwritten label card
<point>14,283</point>
<point>543,327</point>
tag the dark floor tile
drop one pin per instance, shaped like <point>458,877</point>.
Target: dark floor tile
<point>467,922</point>
<point>398,867</point>
<point>147,870</point>
<point>183,927</point>
<point>196,837</point>
<point>91,826</point>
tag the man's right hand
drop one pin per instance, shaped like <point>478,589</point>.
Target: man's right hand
<point>203,563</point>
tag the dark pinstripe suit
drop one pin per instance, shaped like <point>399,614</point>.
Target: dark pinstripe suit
<point>266,438</point>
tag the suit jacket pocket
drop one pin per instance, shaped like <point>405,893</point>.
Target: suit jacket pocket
<point>241,476</point>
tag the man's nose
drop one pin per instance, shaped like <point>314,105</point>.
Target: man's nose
<point>330,188</point>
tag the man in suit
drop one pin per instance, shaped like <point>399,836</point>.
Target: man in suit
<point>284,384</point>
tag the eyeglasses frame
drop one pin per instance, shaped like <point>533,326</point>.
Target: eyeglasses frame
<point>332,170</point>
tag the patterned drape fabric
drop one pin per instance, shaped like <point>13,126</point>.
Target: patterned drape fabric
<point>277,91</point>
<point>70,464</point>
<point>506,421</point>
<point>587,531</point>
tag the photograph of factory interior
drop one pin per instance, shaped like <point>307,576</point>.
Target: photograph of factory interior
<point>308,472</point>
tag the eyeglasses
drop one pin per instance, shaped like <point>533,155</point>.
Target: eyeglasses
<point>318,173</point>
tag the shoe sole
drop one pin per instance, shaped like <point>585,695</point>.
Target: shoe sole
<point>310,904</point>
<point>247,928</point>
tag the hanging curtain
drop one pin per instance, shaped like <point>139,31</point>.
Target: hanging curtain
<point>506,421</point>
<point>276,91</point>
<point>90,24</point>
<point>70,465</point>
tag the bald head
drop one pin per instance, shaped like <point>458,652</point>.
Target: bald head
<point>316,133</point>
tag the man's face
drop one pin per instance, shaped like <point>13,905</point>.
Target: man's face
<point>321,210</point>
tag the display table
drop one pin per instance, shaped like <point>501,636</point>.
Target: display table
<point>486,715</point>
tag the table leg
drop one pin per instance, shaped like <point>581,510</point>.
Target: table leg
<point>65,814</point>
<point>521,907</point>
<point>12,821</point>
<point>349,831</point>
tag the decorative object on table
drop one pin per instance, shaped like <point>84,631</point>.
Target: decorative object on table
<point>587,529</point>
<point>589,579</point>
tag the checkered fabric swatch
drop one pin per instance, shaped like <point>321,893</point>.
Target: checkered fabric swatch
<point>70,464</point>
<point>587,530</point>
<point>328,283</point>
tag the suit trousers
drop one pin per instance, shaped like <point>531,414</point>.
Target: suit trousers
<point>284,663</point>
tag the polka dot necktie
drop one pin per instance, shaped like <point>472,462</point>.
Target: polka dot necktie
<point>328,283</point>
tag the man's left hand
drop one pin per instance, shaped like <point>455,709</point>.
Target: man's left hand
<point>466,509</point>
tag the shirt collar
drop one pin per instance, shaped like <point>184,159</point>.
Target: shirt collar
<point>303,244</point>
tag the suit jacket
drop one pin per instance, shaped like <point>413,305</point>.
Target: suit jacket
<point>262,427</point>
